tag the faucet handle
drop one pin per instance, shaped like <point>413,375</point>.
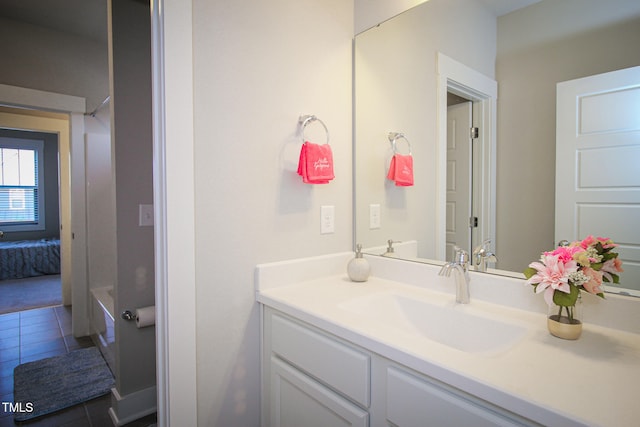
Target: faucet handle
<point>390,243</point>
<point>483,247</point>
<point>461,256</point>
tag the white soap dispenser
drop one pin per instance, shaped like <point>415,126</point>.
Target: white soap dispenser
<point>358,268</point>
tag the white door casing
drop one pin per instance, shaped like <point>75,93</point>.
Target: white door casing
<point>598,163</point>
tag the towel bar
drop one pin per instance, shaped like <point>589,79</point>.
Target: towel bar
<point>306,119</point>
<point>394,137</point>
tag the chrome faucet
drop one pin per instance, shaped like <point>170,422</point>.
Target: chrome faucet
<point>481,256</point>
<point>460,265</point>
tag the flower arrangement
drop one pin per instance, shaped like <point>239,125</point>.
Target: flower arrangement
<point>579,266</point>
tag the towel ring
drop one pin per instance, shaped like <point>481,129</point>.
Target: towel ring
<point>394,137</point>
<point>305,120</point>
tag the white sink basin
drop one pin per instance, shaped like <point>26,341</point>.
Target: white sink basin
<point>461,326</point>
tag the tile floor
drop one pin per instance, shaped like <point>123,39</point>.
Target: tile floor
<point>35,334</point>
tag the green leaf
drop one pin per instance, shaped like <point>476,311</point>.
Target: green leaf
<point>529,272</point>
<point>566,300</point>
<point>596,266</point>
<point>615,277</point>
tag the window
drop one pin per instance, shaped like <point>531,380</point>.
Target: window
<point>21,185</point>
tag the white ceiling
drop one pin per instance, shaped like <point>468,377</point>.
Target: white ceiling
<point>502,7</point>
<point>88,18</point>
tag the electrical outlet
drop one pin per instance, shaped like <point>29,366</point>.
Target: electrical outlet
<point>327,219</point>
<point>145,213</point>
<point>374,216</point>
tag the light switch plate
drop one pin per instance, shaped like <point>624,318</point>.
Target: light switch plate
<point>145,215</point>
<point>374,216</point>
<point>327,219</point>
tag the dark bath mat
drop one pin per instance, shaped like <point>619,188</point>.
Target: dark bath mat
<point>56,383</point>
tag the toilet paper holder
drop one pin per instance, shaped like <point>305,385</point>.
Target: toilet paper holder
<point>128,315</point>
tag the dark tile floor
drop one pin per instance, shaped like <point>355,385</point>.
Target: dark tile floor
<point>35,334</point>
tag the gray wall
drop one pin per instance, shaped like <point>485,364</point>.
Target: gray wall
<point>130,62</point>
<point>44,59</point>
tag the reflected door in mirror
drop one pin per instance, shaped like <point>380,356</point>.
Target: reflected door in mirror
<point>597,163</point>
<point>458,178</point>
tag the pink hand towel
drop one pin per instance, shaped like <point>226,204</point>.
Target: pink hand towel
<point>401,170</point>
<point>316,163</point>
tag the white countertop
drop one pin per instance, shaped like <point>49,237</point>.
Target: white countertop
<point>593,381</point>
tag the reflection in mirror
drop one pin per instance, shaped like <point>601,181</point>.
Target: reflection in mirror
<point>396,90</point>
<point>527,51</point>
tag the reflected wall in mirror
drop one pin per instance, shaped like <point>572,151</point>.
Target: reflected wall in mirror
<point>527,51</point>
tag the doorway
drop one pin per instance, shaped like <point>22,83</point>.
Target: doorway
<point>470,86</point>
<point>29,220</point>
<point>54,128</point>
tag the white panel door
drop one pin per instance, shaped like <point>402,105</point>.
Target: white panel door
<point>458,177</point>
<point>598,163</point>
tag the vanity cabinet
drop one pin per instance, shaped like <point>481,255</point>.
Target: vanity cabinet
<point>312,378</point>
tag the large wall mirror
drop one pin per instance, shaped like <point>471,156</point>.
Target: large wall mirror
<point>403,84</point>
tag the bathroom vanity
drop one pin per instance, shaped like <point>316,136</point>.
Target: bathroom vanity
<point>401,352</point>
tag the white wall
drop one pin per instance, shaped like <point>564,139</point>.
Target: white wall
<point>101,222</point>
<point>532,59</point>
<point>257,67</point>
<point>396,90</point>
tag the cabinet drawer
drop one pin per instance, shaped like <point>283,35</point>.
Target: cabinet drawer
<point>415,402</point>
<point>300,401</point>
<point>333,363</point>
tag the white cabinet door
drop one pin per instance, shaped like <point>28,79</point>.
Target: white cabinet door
<point>299,401</point>
<point>417,402</point>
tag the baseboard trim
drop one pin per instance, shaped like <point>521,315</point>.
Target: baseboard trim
<point>128,408</point>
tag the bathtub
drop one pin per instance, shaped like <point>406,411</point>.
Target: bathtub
<point>102,323</point>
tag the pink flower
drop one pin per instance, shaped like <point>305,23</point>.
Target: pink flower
<point>565,253</point>
<point>606,242</point>
<point>588,241</point>
<point>595,281</point>
<point>611,266</point>
<point>552,274</point>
